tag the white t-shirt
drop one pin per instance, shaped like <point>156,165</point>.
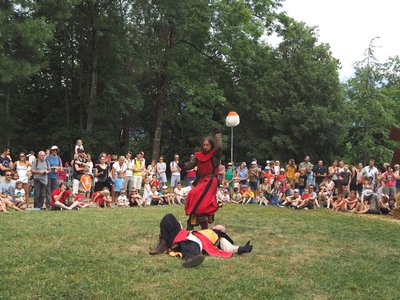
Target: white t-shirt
<point>173,164</point>
<point>19,195</point>
<point>130,164</point>
<point>117,167</point>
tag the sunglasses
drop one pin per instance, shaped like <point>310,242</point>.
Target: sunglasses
<point>8,174</point>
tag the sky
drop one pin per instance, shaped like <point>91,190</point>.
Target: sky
<point>349,25</point>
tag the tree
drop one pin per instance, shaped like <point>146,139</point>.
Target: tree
<point>23,37</point>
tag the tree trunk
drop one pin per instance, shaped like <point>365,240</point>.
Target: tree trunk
<point>93,75</point>
<point>8,135</point>
<point>160,104</point>
<point>162,93</point>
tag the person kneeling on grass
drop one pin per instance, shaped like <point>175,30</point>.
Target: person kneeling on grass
<point>192,244</point>
<point>102,198</point>
<point>58,197</point>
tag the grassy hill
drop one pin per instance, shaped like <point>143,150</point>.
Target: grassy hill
<point>97,253</point>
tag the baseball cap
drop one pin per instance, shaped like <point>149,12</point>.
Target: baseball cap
<point>296,190</point>
<point>54,148</point>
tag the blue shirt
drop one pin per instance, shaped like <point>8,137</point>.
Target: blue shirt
<point>54,161</point>
<point>118,184</point>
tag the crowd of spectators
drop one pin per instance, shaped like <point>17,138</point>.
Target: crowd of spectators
<point>126,181</point>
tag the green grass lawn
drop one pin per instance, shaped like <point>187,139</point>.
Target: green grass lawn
<point>97,253</point>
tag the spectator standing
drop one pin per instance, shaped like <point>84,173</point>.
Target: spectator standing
<point>191,173</point>
<point>129,184</point>
<point>306,164</point>
<point>161,169</point>
<point>40,170</point>
<point>138,169</point>
<point>6,163</point>
<point>290,171</point>
<point>319,174</point>
<point>23,169</point>
<point>78,146</point>
<point>101,172</point>
<point>55,164</point>
<point>371,170</point>
<point>79,169</point>
<point>254,176</point>
<point>229,175</point>
<point>175,171</point>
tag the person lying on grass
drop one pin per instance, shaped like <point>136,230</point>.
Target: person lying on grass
<point>191,245</point>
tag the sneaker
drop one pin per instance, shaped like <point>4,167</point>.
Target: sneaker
<point>194,261</point>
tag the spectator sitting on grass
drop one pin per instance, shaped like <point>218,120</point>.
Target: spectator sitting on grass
<point>102,198</point>
<point>292,200</point>
<point>19,195</point>
<point>304,201</point>
<point>166,195</point>
<point>122,199</point>
<point>247,195</point>
<point>384,205</point>
<point>352,202</point>
<point>178,194</point>
<point>276,193</point>
<point>225,198</point>
<point>237,196</point>
<point>260,199</point>
<point>339,204</point>
<point>156,199</point>
<point>147,191</point>
<point>135,199</point>
<point>59,196</point>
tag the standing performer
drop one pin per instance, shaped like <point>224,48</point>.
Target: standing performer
<point>201,202</point>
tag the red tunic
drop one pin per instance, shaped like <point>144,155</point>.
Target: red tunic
<point>207,245</point>
<point>208,178</point>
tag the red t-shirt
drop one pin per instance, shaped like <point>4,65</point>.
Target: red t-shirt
<point>268,175</point>
<point>99,199</point>
<point>391,181</point>
<point>57,192</point>
<point>305,196</point>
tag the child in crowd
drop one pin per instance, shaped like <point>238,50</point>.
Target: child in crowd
<point>237,196</point>
<point>236,183</point>
<point>339,204</point>
<point>147,191</point>
<point>118,183</point>
<point>247,195</point>
<point>86,183</point>
<point>135,199</point>
<point>81,198</point>
<point>154,181</point>
<point>178,194</point>
<point>78,145</point>
<point>155,196</point>
<point>102,198</point>
<point>122,200</point>
<point>260,199</point>
<point>19,195</point>
<point>219,194</point>
<point>276,193</point>
<point>225,197</point>
<point>292,200</point>
<point>352,202</point>
<point>166,195</point>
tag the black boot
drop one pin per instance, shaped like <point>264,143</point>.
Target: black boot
<point>193,261</point>
<point>247,248</point>
<point>162,247</point>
